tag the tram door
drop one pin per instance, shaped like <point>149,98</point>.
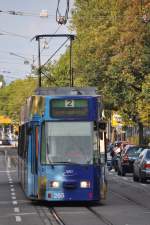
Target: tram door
<point>34,155</point>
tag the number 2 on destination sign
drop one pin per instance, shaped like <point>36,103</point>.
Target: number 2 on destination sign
<point>69,103</point>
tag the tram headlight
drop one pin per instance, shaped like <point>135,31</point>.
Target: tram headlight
<point>85,184</point>
<point>54,184</point>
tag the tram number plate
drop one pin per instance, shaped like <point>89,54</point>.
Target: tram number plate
<point>69,103</point>
<point>59,195</point>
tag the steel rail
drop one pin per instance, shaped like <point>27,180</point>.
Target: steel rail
<point>100,217</point>
<point>56,217</point>
<point>122,196</point>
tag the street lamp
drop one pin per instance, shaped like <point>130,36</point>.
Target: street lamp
<point>26,61</point>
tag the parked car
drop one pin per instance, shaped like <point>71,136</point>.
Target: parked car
<point>141,167</point>
<point>128,155</point>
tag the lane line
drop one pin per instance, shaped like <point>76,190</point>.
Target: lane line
<point>14,202</point>
<point>6,171</point>
<point>26,214</point>
<point>145,185</point>
<point>13,197</point>
<point>18,219</point>
<point>13,193</point>
<point>10,182</point>
<point>16,210</point>
<point>20,201</point>
<point>18,214</point>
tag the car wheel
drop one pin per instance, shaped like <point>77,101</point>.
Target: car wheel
<point>116,169</point>
<point>123,172</point>
<point>119,173</point>
<point>135,178</point>
<point>142,179</point>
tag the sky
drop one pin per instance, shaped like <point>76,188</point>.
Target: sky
<point>16,32</point>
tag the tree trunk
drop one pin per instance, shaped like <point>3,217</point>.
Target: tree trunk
<point>141,138</point>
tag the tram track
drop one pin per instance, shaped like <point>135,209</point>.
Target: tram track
<point>100,217</point>
<point>127,198</point>
<point>43,215</point>
<point>49,216</point>
<point>56,217</point>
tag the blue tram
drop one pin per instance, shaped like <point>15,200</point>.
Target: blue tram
<point>62,145</point>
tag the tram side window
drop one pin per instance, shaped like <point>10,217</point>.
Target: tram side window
<point>43,147</point>
<point>23,142</point>
<point>96,155</point>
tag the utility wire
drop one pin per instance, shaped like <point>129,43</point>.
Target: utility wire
<point>62,19</point>
<point>14,34</point>
<point>55,52</point>
<point>23,13</point>
<point>50,39</point>
<point>51,58</point>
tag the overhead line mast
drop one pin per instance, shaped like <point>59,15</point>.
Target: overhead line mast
<point>38,38</point>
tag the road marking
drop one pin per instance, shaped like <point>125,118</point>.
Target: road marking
<point>12,189</point>
<point>18,219</point>
<point>20,201</point>
<point>26,214</point>
<point>16,210</point>
<point>13,193</point>
<point>13,197</point>
<point>14,202</point>
<point>12,185</point>
<point>6,171</point>
<point>145,185</point>
<point>10,182</point>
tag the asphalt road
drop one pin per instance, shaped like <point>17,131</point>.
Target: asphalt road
<point>128,202</point>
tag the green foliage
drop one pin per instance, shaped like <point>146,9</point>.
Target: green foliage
<point>57,74</point>
<point>13,96</point>
<point>2,80</point>
<point>113,52</point>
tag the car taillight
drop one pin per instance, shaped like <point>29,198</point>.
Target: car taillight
<point>147,165</point>
<point>125,158</point>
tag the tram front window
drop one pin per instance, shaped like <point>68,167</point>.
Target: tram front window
<point>67,142</point>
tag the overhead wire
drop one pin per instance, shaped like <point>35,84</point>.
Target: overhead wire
<point>23,13</point>
<point>51,58</point>
<point>14,34</point>
<point>50,39</point>
<point>55,52</point>
<point>62,19</point>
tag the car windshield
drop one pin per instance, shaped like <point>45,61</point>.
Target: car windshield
<point>148,154</point>
<point>134,151</point>
<point>67,142</point>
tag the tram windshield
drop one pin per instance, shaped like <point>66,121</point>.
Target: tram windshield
<point>67,142</point>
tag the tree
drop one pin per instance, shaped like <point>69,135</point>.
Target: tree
<point>57,73</point>
<point>2,81</point>
<point>114,52</point>
<point>14,95</point>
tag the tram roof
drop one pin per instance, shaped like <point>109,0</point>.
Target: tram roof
<point>63,91</point>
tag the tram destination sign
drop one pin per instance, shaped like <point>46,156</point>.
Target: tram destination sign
<point>69,108</point>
